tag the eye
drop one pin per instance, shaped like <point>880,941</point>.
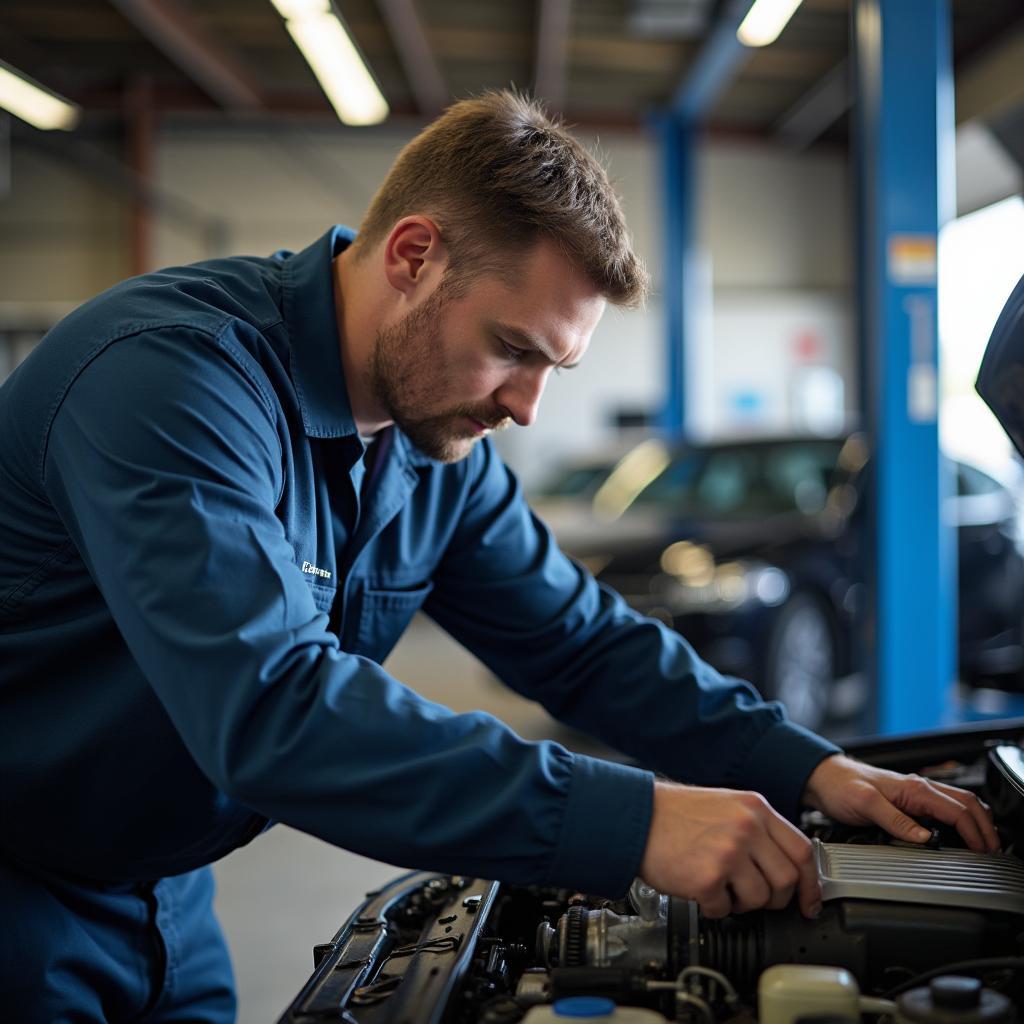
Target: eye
<point>511,352</point>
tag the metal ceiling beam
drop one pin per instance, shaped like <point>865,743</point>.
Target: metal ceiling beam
<point>176,34</point>
<point>818,109</point>
<point>416,55</point>
<point>551,62</point>
<point>721,56</point>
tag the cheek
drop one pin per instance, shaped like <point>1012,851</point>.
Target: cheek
<point>478,379</point>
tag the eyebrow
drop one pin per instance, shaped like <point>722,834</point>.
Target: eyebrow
<point>531,341</point>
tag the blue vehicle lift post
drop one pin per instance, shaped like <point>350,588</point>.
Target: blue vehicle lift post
<point>679,131</point>
<point>904,124</point>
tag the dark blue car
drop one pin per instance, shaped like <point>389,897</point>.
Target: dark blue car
<point>755,551</point>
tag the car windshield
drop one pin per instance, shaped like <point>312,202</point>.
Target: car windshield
<point>744,482</point>
<point>575,481</point>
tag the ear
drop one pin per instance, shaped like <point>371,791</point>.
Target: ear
<point>414,256</point>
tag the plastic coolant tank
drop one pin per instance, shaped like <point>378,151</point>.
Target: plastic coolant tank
<point>595,1009</point>
<point>788,992</point>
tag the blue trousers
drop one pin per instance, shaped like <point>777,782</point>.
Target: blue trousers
<point>77,952</point>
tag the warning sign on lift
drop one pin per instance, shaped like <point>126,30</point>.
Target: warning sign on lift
<point>912,259</point>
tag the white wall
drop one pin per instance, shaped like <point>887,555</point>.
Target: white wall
<point>62,236</point>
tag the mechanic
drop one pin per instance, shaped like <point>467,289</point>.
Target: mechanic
<point>224,491</point>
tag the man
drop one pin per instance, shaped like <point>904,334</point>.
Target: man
<point>226,489</point>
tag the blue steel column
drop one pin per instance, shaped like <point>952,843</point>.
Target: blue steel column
<point>718,61</point>
<point>904,124</point>
<point>679,241</point>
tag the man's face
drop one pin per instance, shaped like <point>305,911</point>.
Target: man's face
<point>457,367</point>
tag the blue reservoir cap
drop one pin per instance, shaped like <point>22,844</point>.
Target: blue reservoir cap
<point>583,1006</point>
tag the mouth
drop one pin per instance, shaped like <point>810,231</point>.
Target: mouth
<point>478,427</point>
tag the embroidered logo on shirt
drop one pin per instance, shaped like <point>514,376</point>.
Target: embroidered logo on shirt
<point>315,570</point>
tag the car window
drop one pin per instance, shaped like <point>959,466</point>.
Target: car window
<point>971,481</point>
<point>575,481</point>
<point>742,482</point>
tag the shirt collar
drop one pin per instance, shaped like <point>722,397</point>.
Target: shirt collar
<point>308,308</point>
<point>317,374</point>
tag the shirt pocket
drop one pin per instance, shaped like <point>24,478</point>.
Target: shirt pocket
<point>323,596</point>
<point>384,616</point>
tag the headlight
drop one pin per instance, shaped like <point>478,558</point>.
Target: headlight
<point>723,587</point>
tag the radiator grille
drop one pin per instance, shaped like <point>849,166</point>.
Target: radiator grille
<point>901,874</point>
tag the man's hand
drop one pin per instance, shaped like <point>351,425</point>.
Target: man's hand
<point>862,795</point>
<point>728,850</point>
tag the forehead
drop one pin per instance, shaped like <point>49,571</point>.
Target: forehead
<point>544,294</point>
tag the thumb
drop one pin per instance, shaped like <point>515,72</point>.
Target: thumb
<point>878,808</point>
<point>902,826</point>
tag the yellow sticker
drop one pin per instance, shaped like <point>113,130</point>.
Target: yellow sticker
<point>913,259</point>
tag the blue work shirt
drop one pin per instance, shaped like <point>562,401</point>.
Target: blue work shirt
<point>195,601</point>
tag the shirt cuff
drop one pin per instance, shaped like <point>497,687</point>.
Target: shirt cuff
<point>781,763</point>
<point>604,830</point>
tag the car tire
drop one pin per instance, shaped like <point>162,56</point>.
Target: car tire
<point>801,660</point>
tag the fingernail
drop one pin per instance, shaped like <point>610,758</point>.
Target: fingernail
<point>815,910</point>
<point>921,835</point>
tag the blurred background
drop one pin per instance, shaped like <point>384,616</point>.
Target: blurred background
<point>782,455</point>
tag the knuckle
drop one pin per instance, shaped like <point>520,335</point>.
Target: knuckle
<point>898,822</point>
<point>746,827</point>
<point>788,877</point>
<point>708,893</point>
<point>710,880</point>
<point>728,859</point>
<point>803,856</point>
<point>753,802</point>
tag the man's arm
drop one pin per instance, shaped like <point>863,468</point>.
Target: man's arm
<point>544,625</point>
<point>164,462</point>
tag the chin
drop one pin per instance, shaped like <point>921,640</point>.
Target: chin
<point>448,449</point>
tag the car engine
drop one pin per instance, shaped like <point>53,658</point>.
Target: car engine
<point>928,934</point>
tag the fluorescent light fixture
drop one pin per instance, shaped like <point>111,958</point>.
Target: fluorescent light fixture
<point>765,20</point>
<point>301,8</point>
<point>34,103</point>
<point>335,61</point>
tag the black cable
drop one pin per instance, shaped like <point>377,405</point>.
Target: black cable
<point>994,963</point>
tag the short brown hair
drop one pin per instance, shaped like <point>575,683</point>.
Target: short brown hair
<point>498,175</point>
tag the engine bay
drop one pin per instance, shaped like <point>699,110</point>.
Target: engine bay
<point>929,934</point>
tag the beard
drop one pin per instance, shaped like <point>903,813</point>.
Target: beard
<point>408,374</point>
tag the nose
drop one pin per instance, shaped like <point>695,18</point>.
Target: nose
<point>520,395</point>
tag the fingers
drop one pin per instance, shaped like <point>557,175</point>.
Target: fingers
<point>750,888</point>
<point>799,853</point>
<point>728,850</point>
<point>919,796</point>
<point>717,903</point>
<point>979,812</point>
<point>905,795</point>
<point>780,872</point>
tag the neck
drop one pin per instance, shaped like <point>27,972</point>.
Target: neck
<point>353,304</point>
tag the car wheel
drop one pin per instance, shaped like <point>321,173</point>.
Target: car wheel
<point>800,664</point>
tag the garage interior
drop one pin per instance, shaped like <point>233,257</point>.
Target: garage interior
<point>832,222</point>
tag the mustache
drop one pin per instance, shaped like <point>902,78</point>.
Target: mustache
<point>492,419</point>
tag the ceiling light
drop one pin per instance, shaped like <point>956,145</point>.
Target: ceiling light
<point>301,8</point>
<point>765,20</point>
<point>35,103</point>
<point>335,61</point>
